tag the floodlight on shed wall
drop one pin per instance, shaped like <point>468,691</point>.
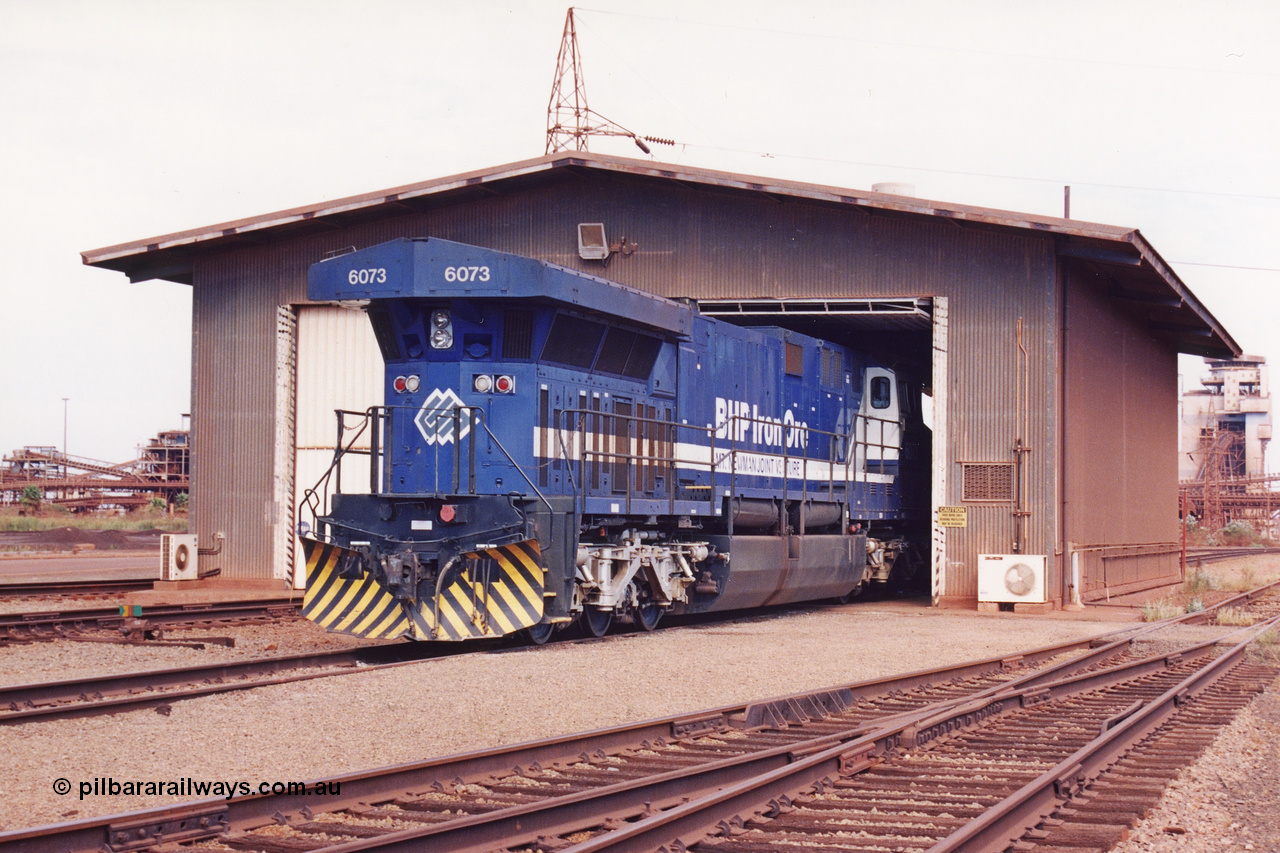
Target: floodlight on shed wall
<point>592,244</point>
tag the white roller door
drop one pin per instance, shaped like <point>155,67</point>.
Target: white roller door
<point>338,367</point>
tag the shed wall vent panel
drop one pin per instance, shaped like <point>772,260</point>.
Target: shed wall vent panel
<point>988,481</point>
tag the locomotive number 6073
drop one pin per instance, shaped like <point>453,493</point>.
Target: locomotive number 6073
<point>367,276</point>
<point>466,274</point>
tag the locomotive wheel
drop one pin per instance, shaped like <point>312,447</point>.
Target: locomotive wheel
<point>539,634</point>
<point>596,622</point>
<point>648,615</point>
<point>853,593</point>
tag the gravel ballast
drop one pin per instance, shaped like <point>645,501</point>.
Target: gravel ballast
<point>317,729</point>
<point>314,729</point>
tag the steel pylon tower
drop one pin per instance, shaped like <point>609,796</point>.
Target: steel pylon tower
<point>569,120</point>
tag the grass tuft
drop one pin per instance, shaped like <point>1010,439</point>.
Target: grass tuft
<point>1201,581</point>
<point>37,524</point>
<point>1266,647</point>
<point>1157,611</point>
<point>1235,617</point>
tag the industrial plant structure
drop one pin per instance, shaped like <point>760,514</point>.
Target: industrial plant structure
<point>1226,426</point>
<point>160,470</point>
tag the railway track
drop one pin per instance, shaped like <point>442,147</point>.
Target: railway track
<point>55,624</point>
<point>115,693</point>
<point>985,787</point>
<point>717,779</point>
<point>111,694</point>
<point>150,688</point>
<point>1197,556</point>
<point>554,789</point>
<point>74,589</point>
<point>208,820</point>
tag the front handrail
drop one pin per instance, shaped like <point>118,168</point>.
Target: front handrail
<point>311,498</point>
<point>377,420</point>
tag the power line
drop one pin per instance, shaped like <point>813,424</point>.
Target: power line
<point>833,36</point>
<point>1055,181</point>
<point>620,55</point>
<point>1224,266</point>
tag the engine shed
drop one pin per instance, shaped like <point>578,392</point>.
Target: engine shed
<point>1046,348</point>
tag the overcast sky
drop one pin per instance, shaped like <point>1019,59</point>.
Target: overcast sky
<point>125,119</point>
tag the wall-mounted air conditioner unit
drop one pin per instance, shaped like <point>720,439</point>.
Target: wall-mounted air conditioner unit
<point>178,557</point>
<point>1011,577</point>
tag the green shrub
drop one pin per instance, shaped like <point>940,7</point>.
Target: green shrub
<point>1199,581</point>
<point>31,498</point>
<point>1238,533</point>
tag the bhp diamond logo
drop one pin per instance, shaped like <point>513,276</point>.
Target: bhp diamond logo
<point>435,418</point>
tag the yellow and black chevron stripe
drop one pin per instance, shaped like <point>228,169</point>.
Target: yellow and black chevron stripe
<point>499,591</point>
<point>359,606</point>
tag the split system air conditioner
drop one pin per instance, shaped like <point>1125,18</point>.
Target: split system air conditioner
<point>1011,577</point>
<point>178,557</point>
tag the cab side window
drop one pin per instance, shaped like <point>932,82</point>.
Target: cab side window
<point>881,392</point>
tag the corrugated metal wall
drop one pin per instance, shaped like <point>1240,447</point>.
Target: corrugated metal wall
<point>234,355</point>
<point>1119,463</point>
<point>692,242</point>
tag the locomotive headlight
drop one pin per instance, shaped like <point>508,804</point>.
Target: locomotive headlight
<point>482,383</point>
<point>441,330</point>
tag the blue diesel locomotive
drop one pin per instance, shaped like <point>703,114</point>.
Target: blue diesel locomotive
<point>557,447</point>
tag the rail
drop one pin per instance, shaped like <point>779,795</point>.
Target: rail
<point>720,810</point>
<point>684,786</point>
<point>242,814</point>
<point>51,625</point>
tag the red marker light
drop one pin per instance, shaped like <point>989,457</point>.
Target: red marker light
<point>504,384</point>
<point>400,384</point>
<point>448,512</point>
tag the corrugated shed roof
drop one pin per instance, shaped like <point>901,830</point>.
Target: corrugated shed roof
<point>1122,255</point>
